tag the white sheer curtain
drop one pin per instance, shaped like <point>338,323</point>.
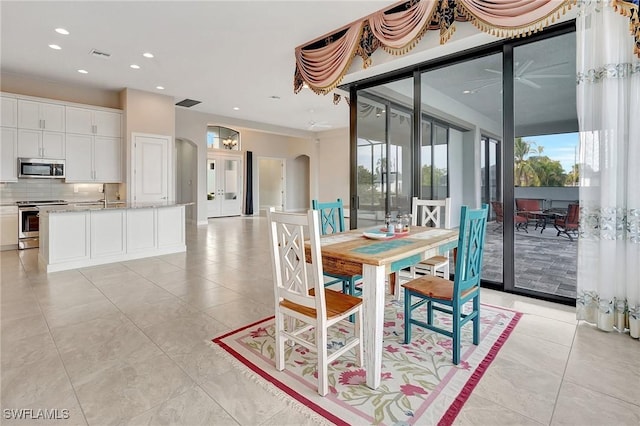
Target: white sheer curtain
<point>609,118</point>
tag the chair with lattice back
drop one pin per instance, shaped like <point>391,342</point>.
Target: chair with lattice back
<point>443,295</point>
<point>332,221</point>
<point>435,213</point>
<point>300,295</point>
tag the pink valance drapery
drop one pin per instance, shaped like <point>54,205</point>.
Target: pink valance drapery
<point>323,62</point>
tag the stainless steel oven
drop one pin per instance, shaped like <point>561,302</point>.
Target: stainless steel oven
<point>29,222</point>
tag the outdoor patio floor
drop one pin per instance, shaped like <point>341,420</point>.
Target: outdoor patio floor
<point>544,261</point>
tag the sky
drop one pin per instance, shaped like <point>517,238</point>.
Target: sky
<point>561,147</point>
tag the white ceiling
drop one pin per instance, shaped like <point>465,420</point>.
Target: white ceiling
<point>225,54</point>
<point>237,54</point>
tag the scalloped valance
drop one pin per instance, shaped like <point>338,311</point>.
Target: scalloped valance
<point>323,62</point>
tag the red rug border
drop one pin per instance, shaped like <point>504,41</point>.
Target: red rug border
<point>447,418</point>
<point>268,377</point>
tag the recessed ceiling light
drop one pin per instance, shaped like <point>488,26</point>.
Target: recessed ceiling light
<point>62,31</point>
<point>466,92</point>
<point>147,55</point>
<point>83,71</point>
<point>159,87</point>
<point>236,108</point>
<point>135,67</point>
<point>55,47</point>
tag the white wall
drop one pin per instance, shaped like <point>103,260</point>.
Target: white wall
<point>32,86</point>
<point>186,176</point>
<point>150,113</point>
<point>192,125</point>
<point>334,164</point>
<point>269,183</point>
<point>299,167</point>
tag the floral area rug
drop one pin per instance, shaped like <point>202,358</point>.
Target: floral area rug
<point>420,384</point>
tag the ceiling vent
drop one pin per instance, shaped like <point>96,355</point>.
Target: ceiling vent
<point>188,103</point>
<point>99,54</point>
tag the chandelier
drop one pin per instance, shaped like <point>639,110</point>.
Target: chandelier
<point>229,143</point>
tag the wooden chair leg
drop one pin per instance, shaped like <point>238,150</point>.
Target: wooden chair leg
<point>392,283</point>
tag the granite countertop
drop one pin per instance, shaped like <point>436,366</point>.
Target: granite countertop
<point>115,205</point>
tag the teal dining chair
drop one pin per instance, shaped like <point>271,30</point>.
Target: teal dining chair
<point>443,295</point>
<point>331,222</point>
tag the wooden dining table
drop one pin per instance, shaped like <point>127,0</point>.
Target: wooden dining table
<point>350,253</point>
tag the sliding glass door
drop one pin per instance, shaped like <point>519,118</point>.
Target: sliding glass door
<point>384,158</point>
<point>496,126</point>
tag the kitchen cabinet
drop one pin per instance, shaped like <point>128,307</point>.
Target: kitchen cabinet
<point>224,185</point>
<point>108,228</point>
<point>75,239</point>
<point>93,159</point>
<point>9,155</point>
<point>86,121</point>
<point>8,227</point>
<point>9,110</point>
<point>40,144</point>
<point>40,116</point>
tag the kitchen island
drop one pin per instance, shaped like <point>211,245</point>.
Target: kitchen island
<point>77,236</point>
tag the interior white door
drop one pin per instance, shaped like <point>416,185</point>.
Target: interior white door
<point>151,168</point>
<point>224,185</point>
<point>231,175</point>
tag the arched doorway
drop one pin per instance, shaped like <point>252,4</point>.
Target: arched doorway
<point>186,176</point>
<point>300,185</point>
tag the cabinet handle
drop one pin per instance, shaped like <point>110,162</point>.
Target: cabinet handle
<point>94,128</point>
<point>44,124</point>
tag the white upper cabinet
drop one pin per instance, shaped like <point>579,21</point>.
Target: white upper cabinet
<point>40,116</point>
<point>38,144</point>
<point>86,121</point>
<point>93,159</point>
<point>8,155</point>
<point>9,110</point>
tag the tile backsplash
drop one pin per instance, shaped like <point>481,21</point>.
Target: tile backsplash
<point>54,189</point>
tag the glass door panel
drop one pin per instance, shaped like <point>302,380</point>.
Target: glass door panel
<point>399,164</point>
<point>372,182</point>
<point>426,159</point>
<point>545,145</point>
<point>461,102</point>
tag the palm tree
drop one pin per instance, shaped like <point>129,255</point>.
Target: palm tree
<point>524,174</point>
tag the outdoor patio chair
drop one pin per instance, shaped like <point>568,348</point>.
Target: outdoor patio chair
<point>531,209</point>
<point>521,222</point>
<point>449,297</point>
<point>299,295</point>
<point>569,224</point>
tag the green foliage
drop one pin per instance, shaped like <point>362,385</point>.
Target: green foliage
<point>524,174</point>
<point>438,175</point>
<point>531,168</point>
<point>573,177</point>
<point>548,172</point>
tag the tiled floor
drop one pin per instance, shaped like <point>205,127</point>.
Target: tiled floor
<point>128,344</point>
<point>544,261</point>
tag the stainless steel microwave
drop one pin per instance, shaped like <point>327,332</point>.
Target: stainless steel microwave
<point>42,168</point>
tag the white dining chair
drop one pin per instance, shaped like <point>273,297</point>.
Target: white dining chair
<point>437,214</point>
<point>300,295</point>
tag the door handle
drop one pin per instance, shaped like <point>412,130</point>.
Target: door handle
<point>163,198</point>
